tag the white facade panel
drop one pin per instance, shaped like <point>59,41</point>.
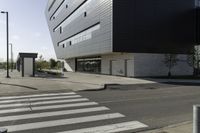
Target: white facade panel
<point>28,66</point>
<point>143,65</point>
<point>130,68</point>
<point>74,17</point>
<point>118,68</point>
<point>70,65</point>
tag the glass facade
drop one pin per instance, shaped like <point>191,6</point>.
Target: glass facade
<point>83,36</point>
<point>91,65</point>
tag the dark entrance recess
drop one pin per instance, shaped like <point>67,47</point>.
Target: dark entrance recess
<point>91,65</point>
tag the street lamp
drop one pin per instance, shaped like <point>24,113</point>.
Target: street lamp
<point>7,27</point>
<point>11,56</point>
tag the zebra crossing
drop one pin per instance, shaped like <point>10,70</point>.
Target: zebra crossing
<point>60,113</point>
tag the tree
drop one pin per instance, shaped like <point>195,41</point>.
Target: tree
<point>41,63</point>
<point>53,63</point>
<point>170,61</point>
<point>59,64</point>
<point>193,59</point>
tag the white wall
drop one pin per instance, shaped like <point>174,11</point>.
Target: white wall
<point>70,65</point>
<point>118,63</point>
<point>141,65</point>
<point>28,66</point>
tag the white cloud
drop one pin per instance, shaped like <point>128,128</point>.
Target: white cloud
<point>2,22</point>
<point>44,48</point>
<point>15,37</point>
<point>37,34</point>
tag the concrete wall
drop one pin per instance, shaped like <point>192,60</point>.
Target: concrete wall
<point>70,65</point>
<point>141,65</point>
<point>138,65</point>
<point>28,66</point>
<point>117,62</point>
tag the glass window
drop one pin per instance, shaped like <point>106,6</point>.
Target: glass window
<point>83,36</point>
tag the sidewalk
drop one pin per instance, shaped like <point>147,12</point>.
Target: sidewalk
<point>71,82</point>
<point>185,127</point>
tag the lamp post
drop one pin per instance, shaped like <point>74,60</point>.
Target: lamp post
<point>11,56</point>
<point>7,30</point>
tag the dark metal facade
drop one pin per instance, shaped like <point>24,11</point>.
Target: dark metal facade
<point>154,26</point>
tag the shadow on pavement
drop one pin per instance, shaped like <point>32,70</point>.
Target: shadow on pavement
<point>28,87</point>
<point>149,86</point>
<point>182,83</point>
<point>49,76</point>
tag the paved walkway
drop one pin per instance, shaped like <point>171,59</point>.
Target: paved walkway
<point>70,81</point>
<point>185,127</point>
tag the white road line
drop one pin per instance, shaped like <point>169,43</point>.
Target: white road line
<point>39,108</point>
<point>38,99</point>
<point>119,127</point>
<point>56,113</point>
<point>46,124</point>
<point>43,103</point>
<point>38,95</point>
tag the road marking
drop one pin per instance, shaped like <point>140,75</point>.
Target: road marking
<point>38,95</point>
<point>43,102</point>
<point>37,125</point>
<point>56,113</point>
<point>39,108</point>
<point>119,127</point>
<point>38,99</point>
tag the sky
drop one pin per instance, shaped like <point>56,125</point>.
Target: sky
<point>28,29</point>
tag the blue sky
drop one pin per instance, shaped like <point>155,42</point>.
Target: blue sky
<point>28,28</point>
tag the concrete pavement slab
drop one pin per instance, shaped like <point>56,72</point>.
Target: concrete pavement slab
<point>71,81</point>
<point>185,127</point>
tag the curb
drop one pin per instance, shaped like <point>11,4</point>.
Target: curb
<point>162,130</point>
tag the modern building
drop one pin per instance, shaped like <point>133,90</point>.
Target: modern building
<point>123,37</point>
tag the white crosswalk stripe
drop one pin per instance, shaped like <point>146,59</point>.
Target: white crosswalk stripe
<point>38,95</point>
<point>62,122</point>
<point>43,103</point>
<point>47,107</point>
<point>37,99</point>
<point>43,111</point>
<point>110,128</point>
<point>56,113</point>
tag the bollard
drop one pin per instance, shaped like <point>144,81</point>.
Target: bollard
<point>3,130</point>
<point>196,119</point>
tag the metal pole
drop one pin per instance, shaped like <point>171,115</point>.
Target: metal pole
<point>11,57</point>
<point>196,119</point>
<point>7,45</point>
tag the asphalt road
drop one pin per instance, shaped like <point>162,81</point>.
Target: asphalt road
<point>157,105</point>
<point>117,108</point>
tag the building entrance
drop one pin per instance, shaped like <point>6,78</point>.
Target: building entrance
<point>91,65</point>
